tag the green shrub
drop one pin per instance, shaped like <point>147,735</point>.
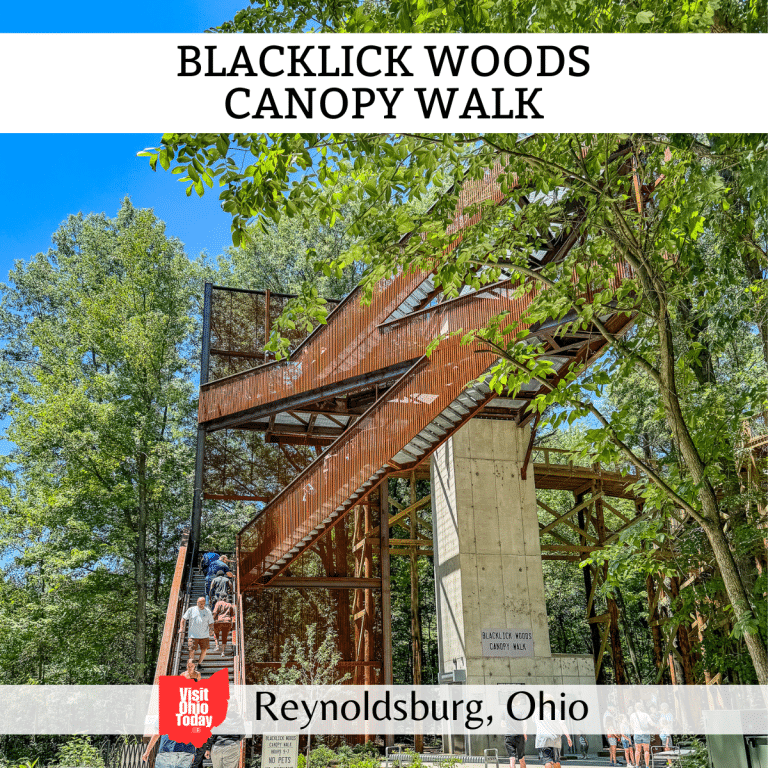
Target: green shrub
<point>368,748</point>
<point>321,757</point>
<point>80,751</point>
<point>366,761</point>
<point>699,757</point>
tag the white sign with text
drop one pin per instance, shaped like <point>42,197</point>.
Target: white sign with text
<point>280,751</point>
<point>507,643</point>
<point>379,82</point>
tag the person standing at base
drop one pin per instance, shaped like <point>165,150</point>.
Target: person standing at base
<point>515,744</point>
<point>171,754</point>
<point>626,740</point>
<point>225,750</point>
<point>200,628</point>
<point>610,729</point>
<point>200,753</point>
<point>665,728</point>
<point>548,737</point>
<point>641,725</point>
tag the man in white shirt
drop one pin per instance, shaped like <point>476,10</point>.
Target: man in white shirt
<point>200,621</point>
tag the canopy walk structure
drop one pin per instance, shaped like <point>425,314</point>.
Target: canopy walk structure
<point>356,402</point>
<point>309,443</point>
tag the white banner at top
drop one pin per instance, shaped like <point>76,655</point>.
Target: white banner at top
<point>382,83</point>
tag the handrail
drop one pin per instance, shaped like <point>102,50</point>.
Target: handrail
<point>543,452</point>
<point>172,615</point>
<point>239,676</point>
<point>179,639</point>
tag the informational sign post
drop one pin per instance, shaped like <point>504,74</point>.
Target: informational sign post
<point>507,643</point>
<point>280,751</point>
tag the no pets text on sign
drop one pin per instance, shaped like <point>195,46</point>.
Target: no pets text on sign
<point>507,643</point>
<point>280,751</point>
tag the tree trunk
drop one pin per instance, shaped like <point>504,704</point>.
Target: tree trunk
<point>628,636</point>
<point>155,644</point>
<point>710,513</point>
<point>140,568</point>
<point>654,618</point>
<point>738,598</point>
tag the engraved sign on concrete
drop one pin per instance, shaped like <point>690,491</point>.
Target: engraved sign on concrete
<point>509,643</point>
<point>280,751</point>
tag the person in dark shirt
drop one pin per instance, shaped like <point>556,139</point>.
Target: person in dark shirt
<point>171,754</point>
<point>221,588</point>
<point>218,567</point>
<point>225,750</point>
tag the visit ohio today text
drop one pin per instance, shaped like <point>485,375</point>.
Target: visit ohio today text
<point>331,97</point>
<point>522,705</point>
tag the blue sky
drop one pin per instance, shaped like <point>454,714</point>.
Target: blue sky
<point>134,16</point>
<point>55,175</point>
<point>61,174</point>
<point>51,176</point>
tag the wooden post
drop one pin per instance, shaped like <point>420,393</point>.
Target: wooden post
<point>614,636</point>
<point>418,739</point>
<point>617,654</point>
<point>386,594</point>
<point>594,629</point>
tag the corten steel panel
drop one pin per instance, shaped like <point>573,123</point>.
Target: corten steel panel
<point>349,345</point>
<point>406,409</point>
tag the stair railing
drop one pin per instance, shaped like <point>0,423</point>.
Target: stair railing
<point>167,657</point>
<point>239,660</point>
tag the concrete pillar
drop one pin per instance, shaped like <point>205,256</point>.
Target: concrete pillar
<point>488,572</point>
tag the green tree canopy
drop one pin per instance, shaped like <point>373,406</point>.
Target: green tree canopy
<point>98,394</point>
<point>517,16</point>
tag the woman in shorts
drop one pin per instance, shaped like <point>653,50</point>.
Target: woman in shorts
<point>626,740</point>
<point>641,725</point>
<point>665,726</point>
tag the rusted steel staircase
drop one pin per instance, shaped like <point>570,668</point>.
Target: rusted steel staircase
<point>424,400</point>
<point>187,586</point>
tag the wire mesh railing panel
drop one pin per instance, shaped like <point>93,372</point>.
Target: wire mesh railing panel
<point>240,325</point>
<point>302,620</point>
<point>349,345</point>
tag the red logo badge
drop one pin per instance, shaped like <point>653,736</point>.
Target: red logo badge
<point>189,709</point>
